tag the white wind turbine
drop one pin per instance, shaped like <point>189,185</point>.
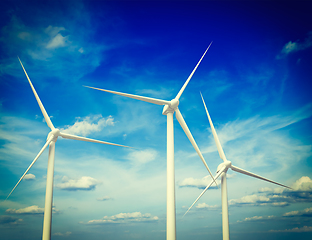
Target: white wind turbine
<point>221,170</point>
<point>169,108</point>
<point>51,139</point>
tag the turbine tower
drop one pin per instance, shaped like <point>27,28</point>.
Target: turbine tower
<point>51,139</point>
<point>169,108</point>
<point>221,171</point>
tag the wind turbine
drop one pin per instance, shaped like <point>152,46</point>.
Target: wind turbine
<point>51,139</point>
<point>222,170</point>
<point>169,108</point>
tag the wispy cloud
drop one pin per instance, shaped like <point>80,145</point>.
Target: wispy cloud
<point>198,183</point>
<point>255,142</point>
<point>84,183</point>
<point>134,217</point>
<point>9,220</point>
<point>57,42</point>
<point>257,218</point>
<point>142,157</point>
<point>56,39</point>
<point>66,234</point>
<point>296,46</point>
<point>42,45</point>
<point>106,198</point>
<point>163,93</point>
<point>297,229</point>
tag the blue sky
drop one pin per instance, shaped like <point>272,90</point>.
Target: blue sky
<point>256,81</point>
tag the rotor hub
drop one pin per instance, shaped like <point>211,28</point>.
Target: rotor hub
<point>226,164</point>
<point>171,107</point>
<point>54,133</point>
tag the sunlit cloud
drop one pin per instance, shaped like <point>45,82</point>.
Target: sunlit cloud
<point>31,210</point>
<point>206,206</point>
<point>84,183</point>
<point>250,200</point>
<point>303,184</point>
<point>257,218</point>
<point>134,217</point>
<point>87,125</point>
<point>29,176</point>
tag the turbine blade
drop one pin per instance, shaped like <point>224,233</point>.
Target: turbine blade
<point>191,75</point>
<point>38,155</point>
<point>45,114</point>
<point>215,136</point>
<point>237,169</point>
<point>218,174</point>
<point>145,99</point>
<point>70,136</point>
<point>190,137</point>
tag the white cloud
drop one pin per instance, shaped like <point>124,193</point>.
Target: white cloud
<point>125,218</point>
<point>85,126</point>
<point>29,177</point>
<point>302,229</point>
<point>84,183</point>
